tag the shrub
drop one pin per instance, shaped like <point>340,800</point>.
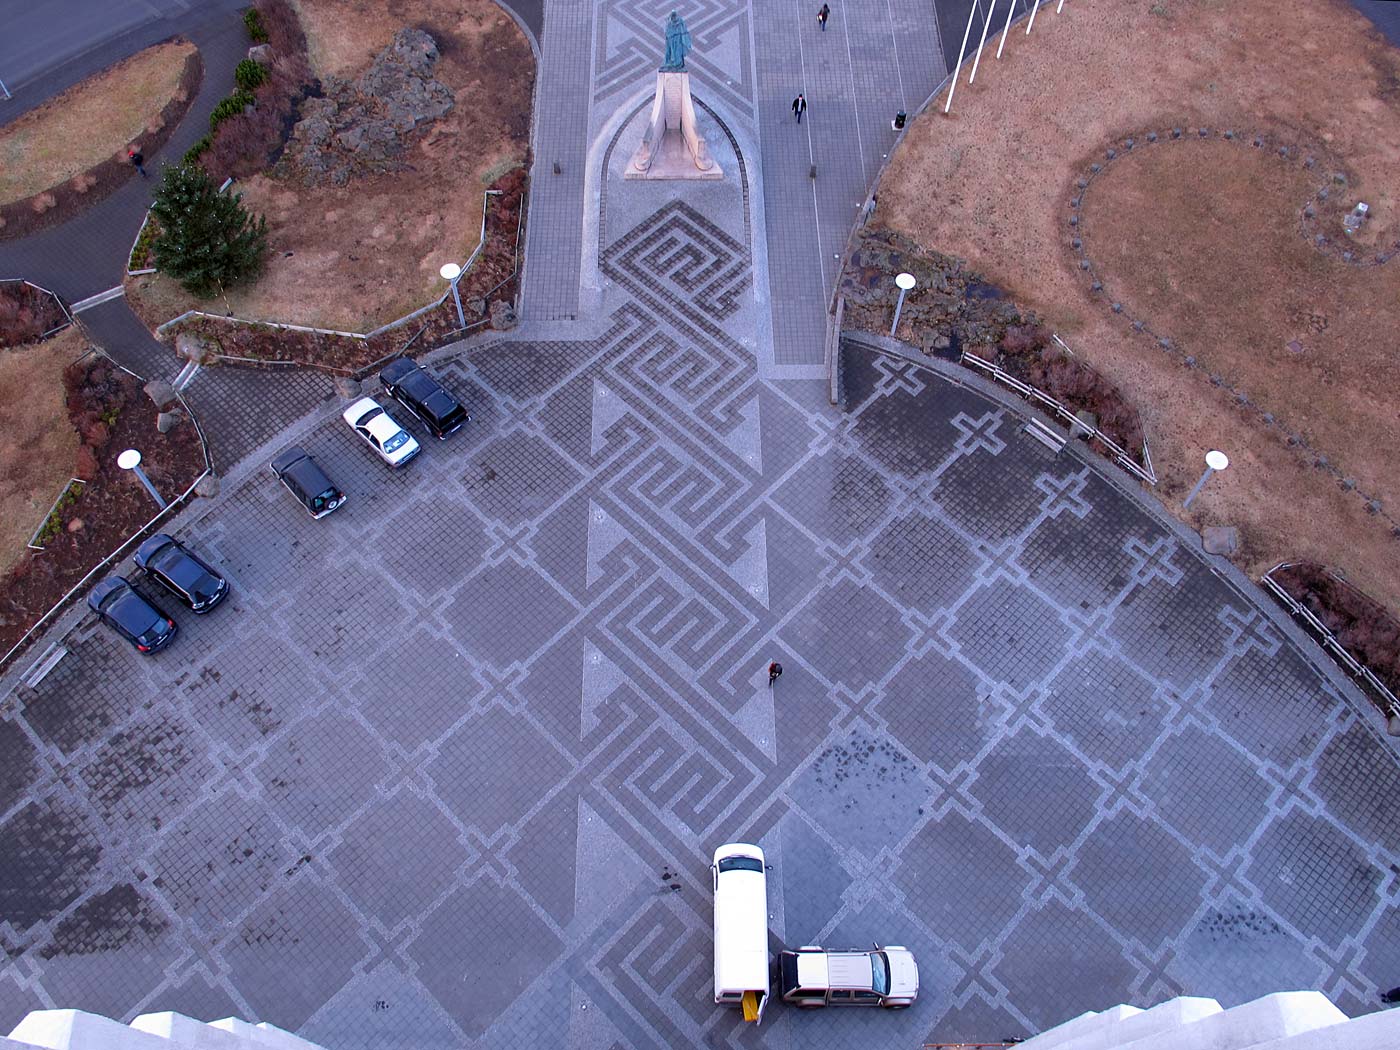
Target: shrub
<point>197,150</point>
<point>249,74</point>
<point>229,107</point>
<point>252,19</point>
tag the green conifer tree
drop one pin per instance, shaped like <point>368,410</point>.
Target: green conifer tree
<point>208,240</point>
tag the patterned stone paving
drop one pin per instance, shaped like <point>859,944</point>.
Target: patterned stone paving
<point>417,784</point>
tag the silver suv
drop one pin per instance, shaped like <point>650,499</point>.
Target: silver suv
<point>813,976</point>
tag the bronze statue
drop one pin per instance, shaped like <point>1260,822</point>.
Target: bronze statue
<point>677,44</point>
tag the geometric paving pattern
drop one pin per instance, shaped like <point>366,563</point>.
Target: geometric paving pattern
<point>418,785</point>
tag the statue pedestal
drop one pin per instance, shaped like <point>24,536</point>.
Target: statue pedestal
<point>672,147</point>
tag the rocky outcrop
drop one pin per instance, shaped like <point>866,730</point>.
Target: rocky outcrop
<point>362,127</point>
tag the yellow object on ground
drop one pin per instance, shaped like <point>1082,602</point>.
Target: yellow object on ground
<point>750,1003</point>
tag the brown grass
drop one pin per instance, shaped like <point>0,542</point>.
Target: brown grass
<point>1202,241</point>
<point>89,122</point>
<point>356,257</point>
<point>37,455</point>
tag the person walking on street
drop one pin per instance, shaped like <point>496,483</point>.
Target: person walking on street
<point>137,161</point>
<point>775,671</point>
<point>823,15</point>
<point>799,106</point>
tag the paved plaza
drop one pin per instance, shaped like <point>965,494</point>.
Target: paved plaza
<point>447,768</point>
<point>417,786</point>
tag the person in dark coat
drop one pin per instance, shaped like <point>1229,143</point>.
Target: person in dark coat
<point>137,160</point>
<point>799,106</point>
<point>822,16</point>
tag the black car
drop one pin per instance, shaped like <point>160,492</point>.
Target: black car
<point>307,482</point>
<point>167,561</point>
<point>130,615</point>
<point>424,397</point>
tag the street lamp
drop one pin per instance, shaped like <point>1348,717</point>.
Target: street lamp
<point>905,282</point>
<point>131,460</point>
<point>1215,460</point>
<point>452,273</point>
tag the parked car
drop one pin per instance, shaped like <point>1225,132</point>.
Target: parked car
<point>170,563</point>
<point>741,929</point>
<point>423,397</point>
<point>138,621</point>
<point>307,482</point>
<point>394,445</point>
<point>811,976</point>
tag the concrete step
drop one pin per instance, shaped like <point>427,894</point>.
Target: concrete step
<point>1077,1026</point>
<point>188,1032</point>
<point>262,1035</point>
<point>1166,1017</point>
<point>1378,1031</point>
<point>1271,1017</point>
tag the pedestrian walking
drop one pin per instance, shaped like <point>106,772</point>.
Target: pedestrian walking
<point>775,671</point>
<point>137,160</point>
<point>822,16</point>
<point>799,107</point>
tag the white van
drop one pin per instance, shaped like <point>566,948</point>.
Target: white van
<point>741,928</point>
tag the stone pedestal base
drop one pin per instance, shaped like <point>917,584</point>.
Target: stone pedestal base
<point>672,147</point>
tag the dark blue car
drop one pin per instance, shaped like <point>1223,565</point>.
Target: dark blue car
<point>167,561</point>
<point>130,615</point>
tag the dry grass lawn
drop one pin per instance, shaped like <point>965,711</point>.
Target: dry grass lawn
<point>90,122</point>
<point>36,457</point>
<point>1202,240</point>
<point>355,257</point>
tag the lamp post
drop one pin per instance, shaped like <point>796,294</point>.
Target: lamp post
<point>452,273</point>
<point>905,282</point>
<point>1215,460</point>
<point>131,460</point>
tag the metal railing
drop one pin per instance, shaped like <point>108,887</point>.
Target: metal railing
<point>1387,700</point>
<point>57,302</point>
<point>1033,394</point>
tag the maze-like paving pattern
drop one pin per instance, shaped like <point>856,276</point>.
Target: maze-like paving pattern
<point>448,769</point>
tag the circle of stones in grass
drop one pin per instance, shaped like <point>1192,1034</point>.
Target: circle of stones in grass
<point>1337,246</point>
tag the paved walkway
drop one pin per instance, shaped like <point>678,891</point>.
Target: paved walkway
<point>876,57</point>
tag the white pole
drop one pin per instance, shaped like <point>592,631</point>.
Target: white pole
<point>982,43</point>
<point>961,51</point>
<point>1006,28</point>
<point>1032,21</point>
<point>1060,7</point>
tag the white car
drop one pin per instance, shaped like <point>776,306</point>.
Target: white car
<point>395,445</point>
<point>814,976</point>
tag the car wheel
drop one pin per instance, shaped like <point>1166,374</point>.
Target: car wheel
<point>331,504</point>
<point>810,1006</point>
<point>896,1006</point>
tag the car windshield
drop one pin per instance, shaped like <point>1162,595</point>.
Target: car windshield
<point>880,964</point>
<point>396,442</point>
<point>741,864</point>
<point>364,419</point>
<point>318,503</point>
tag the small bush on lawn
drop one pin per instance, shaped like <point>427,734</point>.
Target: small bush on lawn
<point>208,240</point>
<point>197,150</point>
<point>254,23</point>
<point>249,74</point>
<point>229,107</point>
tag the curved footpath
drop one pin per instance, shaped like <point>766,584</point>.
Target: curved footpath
<point>1025,726</point>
